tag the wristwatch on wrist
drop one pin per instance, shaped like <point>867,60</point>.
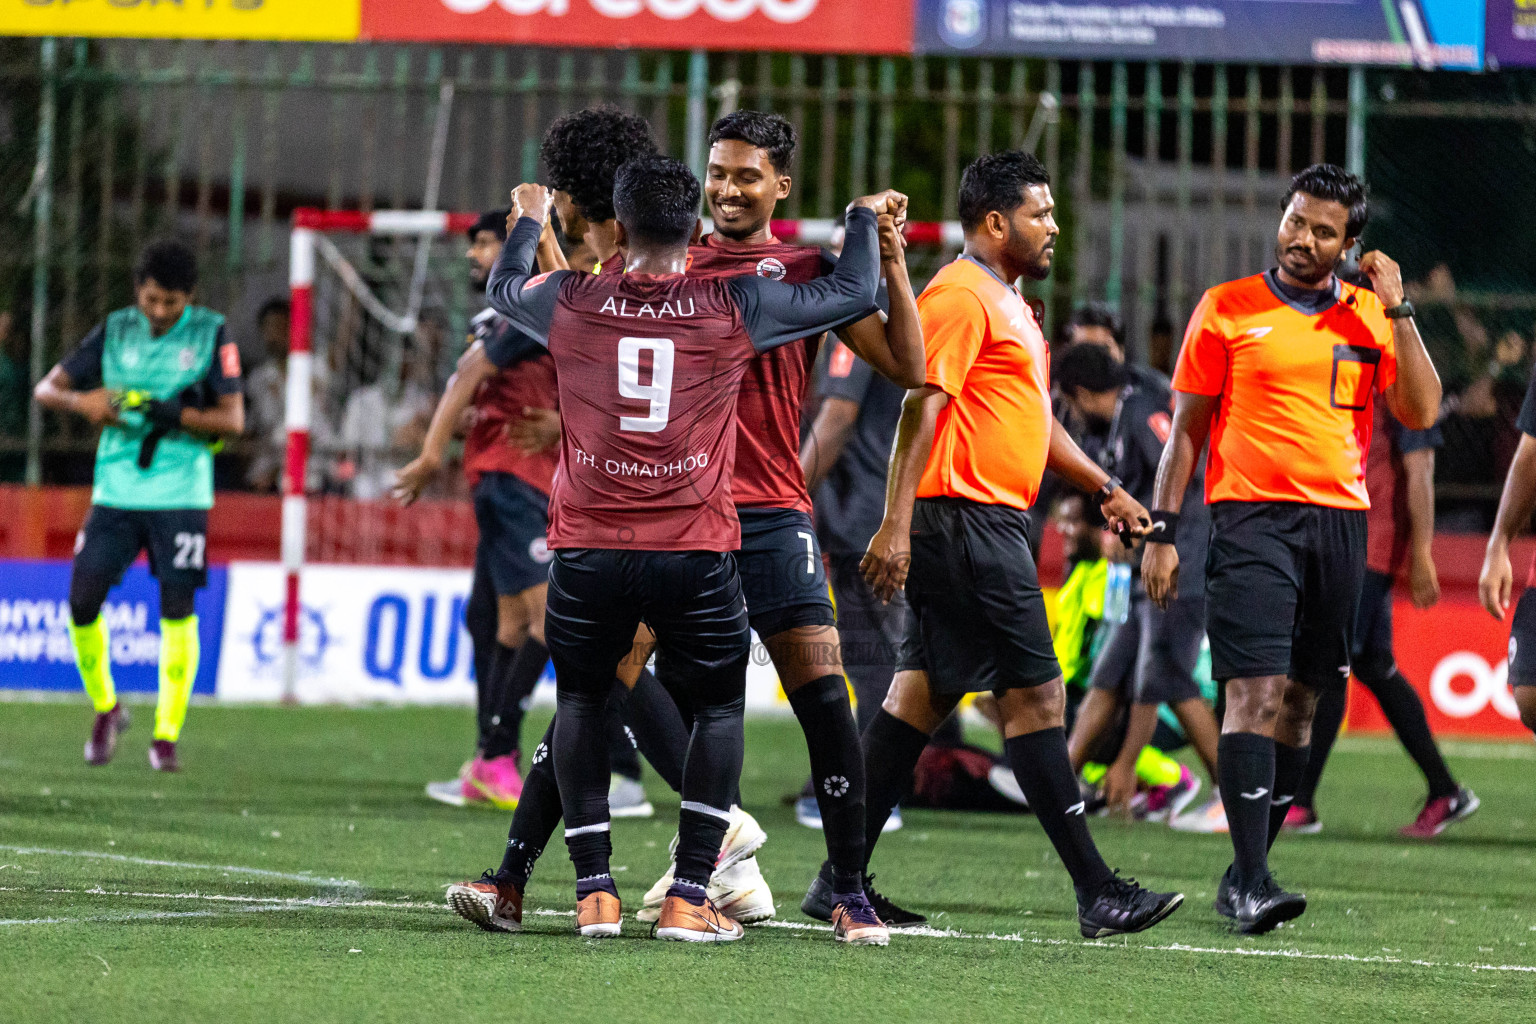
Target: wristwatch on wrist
<point>1106,492</point>
<point>1401,311</point>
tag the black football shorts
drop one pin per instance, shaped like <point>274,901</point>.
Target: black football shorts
<point>1282,585</point>
<point>977,617</point>
<point>782,572</point>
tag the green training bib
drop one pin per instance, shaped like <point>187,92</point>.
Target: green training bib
<point>181,474</point>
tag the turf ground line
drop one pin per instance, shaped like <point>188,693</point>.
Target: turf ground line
<point>139,915</point>
<point>291,901</point>
<point>38,851</point>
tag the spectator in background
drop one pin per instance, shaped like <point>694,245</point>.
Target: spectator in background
<point>1097,323</point>
<point>266,389</point>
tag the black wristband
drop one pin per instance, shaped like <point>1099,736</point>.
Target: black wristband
<point>1402,311</point>
<point>1165,528</point>
<point>1107,491</point>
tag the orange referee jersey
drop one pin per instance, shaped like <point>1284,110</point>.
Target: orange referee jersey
<point>986,352</point>
<point>1296,390</point>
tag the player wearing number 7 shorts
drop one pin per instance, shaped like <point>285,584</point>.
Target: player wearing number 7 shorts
<point>162,380</point>
<point>641,518</point>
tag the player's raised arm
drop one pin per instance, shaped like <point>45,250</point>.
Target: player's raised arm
<point>776,313</point>
<point>892,344</point>
<point>512,290</point>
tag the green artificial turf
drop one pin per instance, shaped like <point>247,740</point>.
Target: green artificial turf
<point>1396,930</point>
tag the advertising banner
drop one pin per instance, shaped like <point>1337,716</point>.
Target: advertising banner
<point>825,26</point>
<point>372,634</point>
<point>1423,33</point>
<point>35,653</point>
<point>318,20</point>
<point>1511,33</point>
<point>1454,654</point>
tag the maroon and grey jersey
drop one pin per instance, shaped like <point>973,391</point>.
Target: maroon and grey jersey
<point>650,369</point>
<point>768,473</point>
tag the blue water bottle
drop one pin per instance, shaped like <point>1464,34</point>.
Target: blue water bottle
<point>1117,593</point>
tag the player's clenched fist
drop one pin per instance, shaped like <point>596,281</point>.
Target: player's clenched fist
<point>890,201</point>
<point>529,200</point>
<point>1497,580</point>
<point>1386,277</point>
<point>1160,573</point>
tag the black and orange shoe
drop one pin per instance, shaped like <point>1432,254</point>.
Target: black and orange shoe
<point>683,921</point>
<point>854,922</point>
<point>487,903</point>
<point>598,915</point>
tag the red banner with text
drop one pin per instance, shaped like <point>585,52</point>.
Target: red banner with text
<point>1455,655</point>
<point>823,26</point>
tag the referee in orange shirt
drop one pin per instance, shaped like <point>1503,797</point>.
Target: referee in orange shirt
<point>971,446</point>
<point>1280,371</point>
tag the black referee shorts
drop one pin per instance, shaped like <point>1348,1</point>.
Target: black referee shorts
<point>1282,585</point>
<point>977,617</point>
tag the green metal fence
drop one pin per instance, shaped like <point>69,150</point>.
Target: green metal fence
<point>1167,174</point>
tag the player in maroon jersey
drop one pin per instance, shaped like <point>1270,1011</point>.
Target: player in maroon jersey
<point>642,520</point>
<point>780,562</point>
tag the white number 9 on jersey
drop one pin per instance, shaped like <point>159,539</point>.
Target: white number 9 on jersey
<point>658,392</point>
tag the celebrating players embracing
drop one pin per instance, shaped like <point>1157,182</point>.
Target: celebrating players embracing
<point>971,447</point>
<point>1281,371</point>
<point>641,520</point>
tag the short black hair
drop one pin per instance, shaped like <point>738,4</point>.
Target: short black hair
<point>997,182</point>
<point>277,304</point>
<point>1330,181</point>
<point>169,263</point>
<point>1089,367</point>
<point>771,133</point>
<point>657,200</point>
<point>1099,314</point>
<point>584,150</point>
<point>491,220</point>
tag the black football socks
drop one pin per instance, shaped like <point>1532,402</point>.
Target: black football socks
<point>837,773</point>
<point>1044,771</point>
<point>514,674</point>
<point>891,750</point>
<point>711,772</point>
<point>581,770</point>
<point>536,818</point>
<point>1405,711</point>
<point>1290,767</point>
<point>1245,762</point>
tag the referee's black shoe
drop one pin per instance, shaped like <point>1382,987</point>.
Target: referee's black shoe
<point>1266,906</point>
<point>1224,896</point>
<point>818,904</point>
<point>1124,907</point>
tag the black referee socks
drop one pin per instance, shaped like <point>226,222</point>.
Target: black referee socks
<point>837,774</point>
<point>1290,768</point>
<point>1044,771</point>
<point>1245,762</point>
<point>891,750</point>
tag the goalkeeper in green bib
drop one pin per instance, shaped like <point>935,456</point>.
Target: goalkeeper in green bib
<point>162,380</point>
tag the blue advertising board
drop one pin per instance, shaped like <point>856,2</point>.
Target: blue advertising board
<point>35,653</point>
<point>1409,33</point>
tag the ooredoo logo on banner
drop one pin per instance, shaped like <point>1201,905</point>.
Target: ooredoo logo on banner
<point>841,26</point>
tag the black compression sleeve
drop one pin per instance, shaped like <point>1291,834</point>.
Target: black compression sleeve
<point>529,302</point>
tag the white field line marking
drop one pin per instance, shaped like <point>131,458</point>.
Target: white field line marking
<point>37,851</point>
<point>271,901</point>
<point>140,915</point>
